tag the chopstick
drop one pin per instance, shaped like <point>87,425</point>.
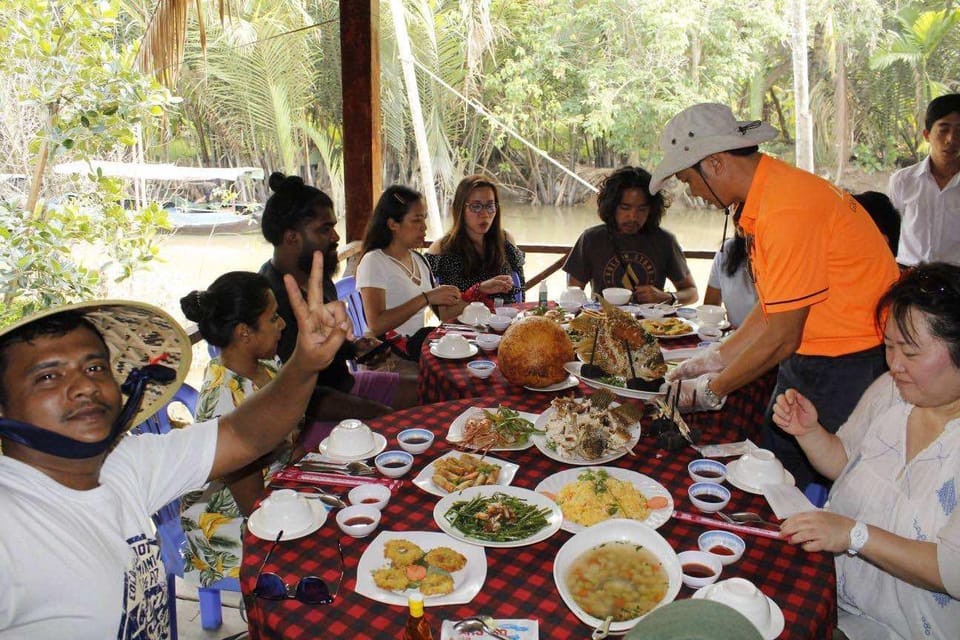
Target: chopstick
<point>720,524</point>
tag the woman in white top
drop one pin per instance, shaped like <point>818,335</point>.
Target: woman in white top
<point>394,279</point>
<point>731,281</point>
<point>892,518</point>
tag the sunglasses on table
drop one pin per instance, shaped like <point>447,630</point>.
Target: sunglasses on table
<point>308,590</point>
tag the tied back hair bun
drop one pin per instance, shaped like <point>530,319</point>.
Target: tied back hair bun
<point>279,182</point>
<point>194,305</point>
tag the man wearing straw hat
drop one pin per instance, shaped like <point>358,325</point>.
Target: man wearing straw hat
<point>78,553</point>
<point>819,264</point>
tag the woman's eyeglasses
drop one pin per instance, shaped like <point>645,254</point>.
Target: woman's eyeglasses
<point>309,590</point>
<point>477,207</point>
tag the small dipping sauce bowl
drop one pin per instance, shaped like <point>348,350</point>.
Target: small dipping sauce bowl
<point>395,464</point>
<point>370,495</point>
<point>488,341</point>
<point>507,312</point>
<point>481,368</point>
<point>725,546</point>
<point>499,323</point>
<point>358,521</point>
<point>707,470</point>
<point>698,568</point>
<point>708,497</point>
<point>415,440</point>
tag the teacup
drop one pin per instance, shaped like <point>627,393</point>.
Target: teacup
<point>617,295</point>
<point>475,313</point>
<point>350,438</point>
<point>284,509</point>
<point>743,596</point>
<point>710,315</point>
<point>453,344</point>
<point>760,467</point>
<point>499,323</point>
<point>488,341</point>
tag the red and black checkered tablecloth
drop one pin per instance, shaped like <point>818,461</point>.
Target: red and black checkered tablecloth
<point>519,581</point>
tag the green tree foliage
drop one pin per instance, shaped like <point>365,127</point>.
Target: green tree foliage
<point>77,97</point>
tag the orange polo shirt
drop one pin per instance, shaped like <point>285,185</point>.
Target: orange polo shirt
<point>812,245</point>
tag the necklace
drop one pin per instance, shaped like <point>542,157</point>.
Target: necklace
<point>410,271</point>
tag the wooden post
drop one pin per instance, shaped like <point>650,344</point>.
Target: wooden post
<point>360,79</point>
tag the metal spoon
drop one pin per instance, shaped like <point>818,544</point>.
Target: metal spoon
<point>744,517</point>
<point>476,623</point>
<point>325,498</point>
<point>603,630</point>
<point>356,468</point>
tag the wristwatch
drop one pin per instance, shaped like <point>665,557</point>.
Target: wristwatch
<point>713,399</point>
<point>673,297</point>
<point>858,538</point>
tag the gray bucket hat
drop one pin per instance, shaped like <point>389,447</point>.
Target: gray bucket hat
<point>701,130</point>
<point>694,620</point>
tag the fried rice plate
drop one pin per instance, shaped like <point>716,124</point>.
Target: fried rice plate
<point>580,502</point>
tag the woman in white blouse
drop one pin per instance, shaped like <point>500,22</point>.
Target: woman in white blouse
<point>394,280</point>
<point>892,518</point>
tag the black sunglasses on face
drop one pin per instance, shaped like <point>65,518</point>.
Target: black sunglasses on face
<point>309,590</point>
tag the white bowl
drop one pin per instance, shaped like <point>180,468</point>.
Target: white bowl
<point>570,307</point>
<point>284,509</point>
<point>508,312</point>
<point>358,521</point>
<point>369,495</point>
<point>615,530</point>
<point>488,341</point>
<point>686,313</point>
<point>499,323</point>
<point>760,467</point>
<point>415,440</point>
<point>654,311</point>
<point>350,438</point>
<point>573,295</point>
<point>706,563</point>
<point>393,464</point>
<point>719,496</point>
<point>710,314</point>
<point>475,313</point>
<point>707,470</point>
<point>482,369</point>
<point>453,345</point>
<point>743,596</point>
<point>617,295</point>
<point>730,544</point>
<point>709,334</point>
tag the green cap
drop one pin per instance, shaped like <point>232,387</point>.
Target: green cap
<point>694,620</point>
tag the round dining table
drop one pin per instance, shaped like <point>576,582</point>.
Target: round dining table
<point>519,581</point>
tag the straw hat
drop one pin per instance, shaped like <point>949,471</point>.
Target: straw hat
<point>136,334</point>
<point>702,130</point>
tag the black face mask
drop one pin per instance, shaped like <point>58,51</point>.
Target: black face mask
<point>61,446</point>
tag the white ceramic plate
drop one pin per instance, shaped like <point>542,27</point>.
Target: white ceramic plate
<point>466,582</point>
<point>455,432</point>
<point>424,479</point>
<point>540,442</point>
<point>379,444</point>
<point>733,477</point>
<point>632,309</point>
<point>569,383</point>
<point>646,485</point>
<point>623,392</point>
<point>473,324</point>
<point>554,518</point>
<point>691,330</point>
<point>264,531</point>
<point>616,530</point>
<point>667,309</point>
<point>777,623</point>
<point>471,351</point>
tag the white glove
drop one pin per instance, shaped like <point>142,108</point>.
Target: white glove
<point>709,361</point>
<point>694,395</point>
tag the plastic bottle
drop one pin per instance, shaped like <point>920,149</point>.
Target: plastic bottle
<point>542,294</point>
<point>417,626</point>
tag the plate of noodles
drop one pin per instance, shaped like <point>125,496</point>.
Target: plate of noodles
<point>590,495</point>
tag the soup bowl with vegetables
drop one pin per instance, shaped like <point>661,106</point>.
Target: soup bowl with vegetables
<point>620,568</point>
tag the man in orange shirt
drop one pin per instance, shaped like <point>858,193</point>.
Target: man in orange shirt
<point>819,264</point>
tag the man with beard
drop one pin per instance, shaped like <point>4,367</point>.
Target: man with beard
<point>297,220</point>
<point>819,262</point>
<point>630,250</point>
<point>79,556</point>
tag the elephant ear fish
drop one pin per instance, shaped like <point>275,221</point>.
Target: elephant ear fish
<point>616,328</point>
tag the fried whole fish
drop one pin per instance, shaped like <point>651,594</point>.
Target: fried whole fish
<point>617,327</point>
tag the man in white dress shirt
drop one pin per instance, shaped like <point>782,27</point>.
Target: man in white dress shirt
<point>928,193</point>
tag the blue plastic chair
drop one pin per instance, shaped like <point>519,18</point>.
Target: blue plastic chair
<point>348,293</point>
<point>518,297</point>
<point>173,541</point>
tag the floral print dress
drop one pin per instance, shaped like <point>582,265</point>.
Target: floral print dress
<point>211,519</point>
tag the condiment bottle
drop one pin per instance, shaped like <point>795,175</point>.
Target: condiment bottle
<point>417,626</point>
<point>542,294</point>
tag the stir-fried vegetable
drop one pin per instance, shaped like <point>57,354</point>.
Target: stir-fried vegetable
<point>511,427</point>
<point>497,518</point>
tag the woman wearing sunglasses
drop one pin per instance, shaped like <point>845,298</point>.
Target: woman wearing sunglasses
<point>238,314</point>
<point>892,518</point>
<point>477,256</point>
